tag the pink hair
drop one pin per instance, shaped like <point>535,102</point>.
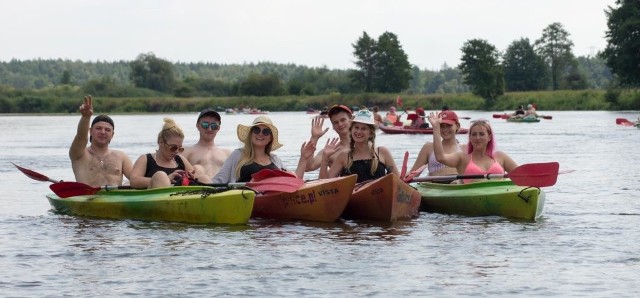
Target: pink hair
<point>491,146</point>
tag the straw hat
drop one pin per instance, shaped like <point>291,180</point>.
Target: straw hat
<point>244,130</point>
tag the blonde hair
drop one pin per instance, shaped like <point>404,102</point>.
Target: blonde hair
<point>169,129</point>
<point>248,154</point>
<point>372,143</point>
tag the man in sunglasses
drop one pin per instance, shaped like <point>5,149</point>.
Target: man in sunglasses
<point>205,153</point>
<point>97,164</point>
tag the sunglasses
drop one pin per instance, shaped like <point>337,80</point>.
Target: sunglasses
<point>174,148</point>
<point>212,125</point>
<point>265,132</point>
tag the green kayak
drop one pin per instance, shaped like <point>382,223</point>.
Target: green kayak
<point>523,119</point>
<point>190,204</point>
<point>497,197</point>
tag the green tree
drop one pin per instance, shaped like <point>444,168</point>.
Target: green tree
<point>150,72</point>
<point>623,41</point>
<point>365,52</point>
<point>482,70</point>
<point>66,77</point>
<point>524,70</point>
<point>555,47</point>
<point>392,67</point>
<point>261,85</point>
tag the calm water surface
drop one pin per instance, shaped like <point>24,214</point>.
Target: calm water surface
<point>587,242</point>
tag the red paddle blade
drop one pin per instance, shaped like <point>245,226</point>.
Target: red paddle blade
<point>624,122</point>
<point>497,116</point>
<point>404,164</point>
<point>268,173</point>
<point>399,100</point>
<point>277,183</point>
<point>33,175</point>
<point>547,117</point>
<point>535,174</point>
<point>71,189</point>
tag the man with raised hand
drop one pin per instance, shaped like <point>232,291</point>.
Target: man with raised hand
<point>340,117</point>
<point>205,156</point>
<point>97,164</point>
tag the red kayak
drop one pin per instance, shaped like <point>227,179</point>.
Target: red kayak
<point>507,116</point>
<point>411,130</point>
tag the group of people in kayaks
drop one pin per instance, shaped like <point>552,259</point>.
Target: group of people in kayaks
<point>354,151</point>
<point>530,112</point>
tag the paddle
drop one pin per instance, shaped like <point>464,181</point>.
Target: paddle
<point>67,189</point>
<point>34,175</point>
<point>534,174</point>
<point>404,164</point>
<point>624,122</point>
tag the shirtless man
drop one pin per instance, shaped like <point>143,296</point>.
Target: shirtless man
<point>97,165</point>
<point>340,117</point>
<point>205,155</point>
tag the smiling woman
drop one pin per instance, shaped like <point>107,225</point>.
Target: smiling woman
<point>260,140</point>
<point>166,166</point>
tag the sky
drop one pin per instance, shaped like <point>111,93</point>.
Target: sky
<point>303,32</point>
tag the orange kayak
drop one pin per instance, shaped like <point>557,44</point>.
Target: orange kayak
<point>318,200</point>
<point>387,199</point>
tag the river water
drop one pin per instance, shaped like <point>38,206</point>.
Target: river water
<point>587,243</point>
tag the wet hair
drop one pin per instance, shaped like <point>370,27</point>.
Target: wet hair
<point>169,129</point>
<point>491,146</point>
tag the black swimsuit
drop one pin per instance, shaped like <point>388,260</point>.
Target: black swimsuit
<point>153,167</point>
<point>247,170</point>
<point>362,167</point>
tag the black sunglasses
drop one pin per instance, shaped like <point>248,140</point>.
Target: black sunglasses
<point>212,125</point>
<point>265,132</point>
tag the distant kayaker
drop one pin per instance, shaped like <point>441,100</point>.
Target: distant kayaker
<point>419,121</point>
<point>260,140</point>
<point>377,118</point>
<point>166,166</point>
<point>362,157</point>
<point>340,117</point>
<point>97,164</point>
<point>205,155</point>
<point>391,118</point>
<point>519,112</point>
<point>531,111</point>
<point>481,156</point>
<point>449,126</point>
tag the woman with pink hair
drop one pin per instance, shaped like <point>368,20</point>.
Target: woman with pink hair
<point>481,156</point>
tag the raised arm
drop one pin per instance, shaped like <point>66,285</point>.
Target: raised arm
<point>306,154</point>
<point>448,159</point>
<point>330,148</point>
<point>316,133</point>
<point>77,149</point>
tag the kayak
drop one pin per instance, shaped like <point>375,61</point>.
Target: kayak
<point>317,200</point>
<point>411,130</point>
<point>387,198</point>
<point>523,119</point>
<point>484,198</point>
<point>190,204</point>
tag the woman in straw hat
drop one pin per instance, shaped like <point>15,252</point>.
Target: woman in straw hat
<point>166,166</point>
<point>362,157</point>
<point>260,140</point>
<point>481,156</point>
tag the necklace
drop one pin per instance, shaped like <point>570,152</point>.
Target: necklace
<point>99,157</point>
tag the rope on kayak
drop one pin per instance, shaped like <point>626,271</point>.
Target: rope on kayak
<point>524,197</point>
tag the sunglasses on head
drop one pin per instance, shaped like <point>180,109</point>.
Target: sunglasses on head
<point>265,132</point>
<point>212,125</point>
<point>174,148</point>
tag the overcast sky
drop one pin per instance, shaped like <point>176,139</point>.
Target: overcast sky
<point>311,33</point>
